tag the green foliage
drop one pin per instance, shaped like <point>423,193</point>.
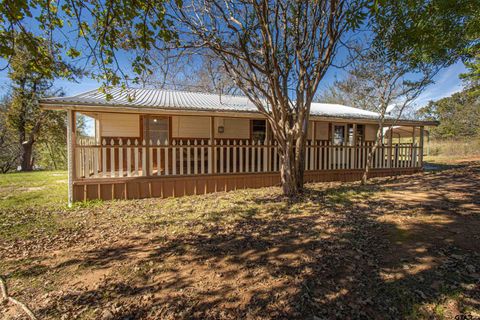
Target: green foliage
<point>472,76</point>
<point>9,155</point>
<point>94,31</point>
<point>433,31</point>
<point>459,115</point>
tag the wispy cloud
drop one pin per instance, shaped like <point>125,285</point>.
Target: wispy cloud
<point>446,83</point>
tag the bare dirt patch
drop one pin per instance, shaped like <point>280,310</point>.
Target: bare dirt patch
<point>406,247</point>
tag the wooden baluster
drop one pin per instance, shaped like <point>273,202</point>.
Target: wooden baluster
<point>210,156</point>
<point>247,157</point>
<point>180,156</point>
<point>112,159</point>
<point>259,156</point>
<point>85,162</point>
<point>144,159</point>
<point>129,158</point>
<point>202,157</point>
<point>167,160</point>
<point>240,150</point>
<point>227,148</point>
<point>159,158</point>
<point>174,158</point>
<point>95,162</point>
<point>265,155</point>
<point>182,162</point>
<point>135,157</point>
<point>189,158</point>
<point>150,157</point>
<point>195,157</point>
<point>275,156</point>
<point>234,147</point>
<point>104,158</point>
<point>312,155</point>
<point>221,156</point>
<point>120,158</point>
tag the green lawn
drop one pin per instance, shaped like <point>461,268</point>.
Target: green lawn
<point>33,189</point>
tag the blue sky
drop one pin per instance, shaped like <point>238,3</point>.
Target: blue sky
<point>446,83</point>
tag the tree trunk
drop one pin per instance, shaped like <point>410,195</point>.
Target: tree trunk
<point>292,169</point>
<point>368,165</point>
<point>26,156</point>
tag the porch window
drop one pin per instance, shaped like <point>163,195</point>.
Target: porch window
<point>156,129</point>
<point>259,130</point>
<point>338,134</point>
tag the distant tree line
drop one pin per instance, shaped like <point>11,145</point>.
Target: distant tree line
<point>458,116</point>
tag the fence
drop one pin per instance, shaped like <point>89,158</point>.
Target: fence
<point>134,158</point>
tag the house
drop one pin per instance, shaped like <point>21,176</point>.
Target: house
<point>162,143</point>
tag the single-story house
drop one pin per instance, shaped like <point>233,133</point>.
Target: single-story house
<point>162,143</point>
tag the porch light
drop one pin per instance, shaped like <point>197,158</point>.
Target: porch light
<point>221,129</point>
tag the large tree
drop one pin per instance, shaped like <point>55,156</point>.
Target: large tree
<point>29,83</point>
<point>277,53</point>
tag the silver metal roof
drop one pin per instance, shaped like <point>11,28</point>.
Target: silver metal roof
<point>169,99</point>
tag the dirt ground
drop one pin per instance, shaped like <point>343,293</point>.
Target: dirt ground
<point>405,247</point>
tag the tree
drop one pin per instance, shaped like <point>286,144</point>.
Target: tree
<point>277,53</point>
<point>93,33</point>
<point>8,142</point>
<point>378,80</point>
<point>458,115</point>
<point>212,77</point>
<point>29,84</point>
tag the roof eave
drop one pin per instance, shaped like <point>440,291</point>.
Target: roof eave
<point>48,104</point>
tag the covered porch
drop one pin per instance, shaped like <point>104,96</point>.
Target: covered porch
<point>171,143</point>
<point>159,162</point>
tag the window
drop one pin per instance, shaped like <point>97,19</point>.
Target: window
<point>259,130</point>
<point>156,129</point>
<point>338,134</point>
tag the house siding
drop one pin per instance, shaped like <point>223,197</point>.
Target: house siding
<point>190,127</point>
<point>119,125</point>
<point>234,128</point>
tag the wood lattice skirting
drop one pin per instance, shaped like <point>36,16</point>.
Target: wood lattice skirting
<point>177,186</point>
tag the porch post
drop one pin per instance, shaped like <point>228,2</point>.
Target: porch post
<point>390,145</point>
<point>354,146</point>
<point>422,134</point>
<point>70,153</point>
<point>211,154</point>
<point>413,153</point>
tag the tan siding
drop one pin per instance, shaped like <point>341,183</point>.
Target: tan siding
<point>119,125</point>
<point>370,132</point>
<point>190,127</point>
<point>235,128</point>
<point>321,130</point>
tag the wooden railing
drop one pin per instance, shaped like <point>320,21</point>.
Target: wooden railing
<point>132,158</point>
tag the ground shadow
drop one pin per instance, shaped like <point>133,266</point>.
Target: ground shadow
<point>340,252</point>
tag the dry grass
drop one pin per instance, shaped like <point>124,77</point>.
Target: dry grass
<point>452,150</point>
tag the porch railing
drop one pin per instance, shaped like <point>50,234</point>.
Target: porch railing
<point>134,158</point>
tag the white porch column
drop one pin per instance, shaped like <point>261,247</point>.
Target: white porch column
<point>70,153</point>
<point>422,135</point>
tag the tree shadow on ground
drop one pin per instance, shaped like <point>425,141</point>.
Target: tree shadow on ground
<point>338,253</point>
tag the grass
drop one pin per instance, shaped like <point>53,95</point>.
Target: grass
<point>25,190</point>
<point>449,150</point>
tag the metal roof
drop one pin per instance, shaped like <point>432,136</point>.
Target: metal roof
<point>184,100</point>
